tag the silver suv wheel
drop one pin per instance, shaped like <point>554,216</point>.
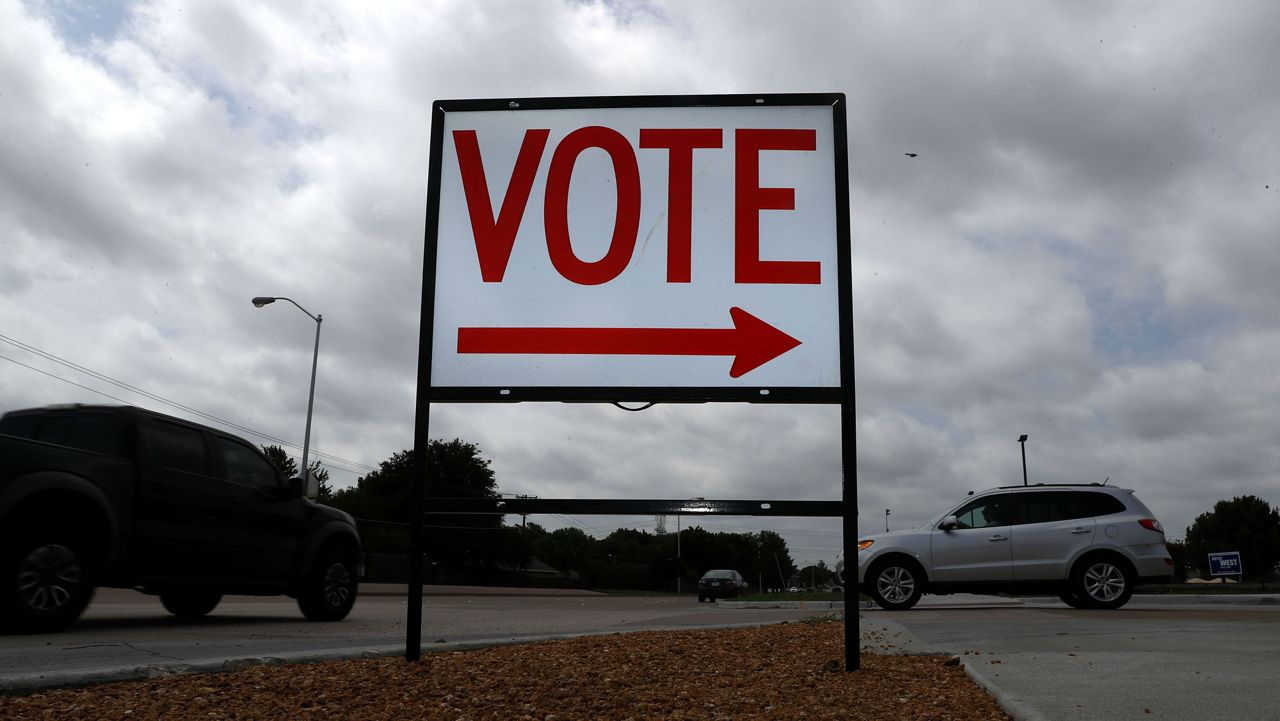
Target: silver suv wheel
<point>1104,582</point>
<point>896,585</point>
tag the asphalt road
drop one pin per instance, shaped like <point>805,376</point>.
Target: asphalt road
<point>125,634</point>
<point>1157,658</point>
<point>1153,659</point>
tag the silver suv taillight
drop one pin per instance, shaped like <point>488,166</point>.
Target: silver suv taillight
<point>1151,524</point>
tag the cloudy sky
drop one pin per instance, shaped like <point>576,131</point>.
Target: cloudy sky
<point>1084,248</point>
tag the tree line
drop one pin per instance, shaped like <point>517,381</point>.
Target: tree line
<point>1247,524</point>
<point>381,503</point>
<point>637,559</point>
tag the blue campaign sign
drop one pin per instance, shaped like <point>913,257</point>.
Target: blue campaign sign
<point>1226,563</point>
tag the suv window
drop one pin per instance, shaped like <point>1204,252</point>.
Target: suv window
<point>178,447</point>
<point>996,510</point>
<point>1099,504</point>
<point>95,431</point>
<point>1046,506</point>
<point>244,466</point>
<point>22,425</point>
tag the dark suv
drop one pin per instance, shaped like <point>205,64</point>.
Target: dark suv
<point>128,498</point>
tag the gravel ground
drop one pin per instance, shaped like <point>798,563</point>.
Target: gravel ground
<point>783,671</point>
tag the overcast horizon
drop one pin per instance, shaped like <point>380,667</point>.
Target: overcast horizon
<point>1063,224</point>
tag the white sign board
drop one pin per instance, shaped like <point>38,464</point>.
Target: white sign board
<point>605,245</point>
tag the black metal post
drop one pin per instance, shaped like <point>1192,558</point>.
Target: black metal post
<point>421,444</point>
<point>849,463</point>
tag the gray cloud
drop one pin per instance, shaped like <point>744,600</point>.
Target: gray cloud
<point>1082,250</point>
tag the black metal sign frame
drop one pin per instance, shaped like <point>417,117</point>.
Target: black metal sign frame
<point>843,394</point>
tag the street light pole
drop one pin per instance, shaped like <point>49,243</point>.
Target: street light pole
<point>1022,440</point>
<point>311,394</point>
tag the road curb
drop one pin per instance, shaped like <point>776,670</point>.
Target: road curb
<point>1015,707</point>
<point>23,684</point>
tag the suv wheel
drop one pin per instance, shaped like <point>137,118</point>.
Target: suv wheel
<point>48,579</point>
<point>190,602</point>
<point>329,590</point>
<point>1102,582</point>
<point>895,585</point>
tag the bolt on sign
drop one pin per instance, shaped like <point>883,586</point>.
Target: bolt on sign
<point>647,248</point>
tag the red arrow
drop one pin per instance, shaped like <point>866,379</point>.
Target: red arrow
<point>751,341</point>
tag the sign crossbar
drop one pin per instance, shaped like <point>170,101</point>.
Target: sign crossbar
<point>624,507</point>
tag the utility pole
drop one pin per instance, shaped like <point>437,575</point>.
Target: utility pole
<point>524,517</point>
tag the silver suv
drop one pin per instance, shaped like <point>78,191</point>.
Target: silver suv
<point>1090,544</point>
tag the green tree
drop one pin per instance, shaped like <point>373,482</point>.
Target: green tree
<point>775,559</point>
<point>289,468</point>
<point>569,550</point>
<point>382,502</point>
<point>813,576</point>
<point>637,559</point>
<point>1246,524</point>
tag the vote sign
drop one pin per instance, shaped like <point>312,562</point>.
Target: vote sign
<point>673,248</point>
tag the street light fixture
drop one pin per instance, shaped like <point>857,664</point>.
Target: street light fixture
<point>263,300</point>
<point>1022,439</point>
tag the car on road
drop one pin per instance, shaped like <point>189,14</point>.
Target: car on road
<point>123,497</point>
<point>720,583</point>
<point>1089,544</point>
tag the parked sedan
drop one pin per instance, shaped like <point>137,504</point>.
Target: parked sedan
<point>720,584</point>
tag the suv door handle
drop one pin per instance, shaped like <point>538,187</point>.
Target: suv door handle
<point>998,537</point>
<point>1078,530</point>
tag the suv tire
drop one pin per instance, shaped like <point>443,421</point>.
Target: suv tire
<point>895,585</point>
<point>47,575</point>
<point>190,602</point>
<point>329,589</point>
<point>1070,598</point>
<point>1102,582</point>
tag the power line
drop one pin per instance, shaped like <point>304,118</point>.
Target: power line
<point>64,380</point>
<point>156,397</point>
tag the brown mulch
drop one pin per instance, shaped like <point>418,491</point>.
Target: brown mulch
<point>784,671</point>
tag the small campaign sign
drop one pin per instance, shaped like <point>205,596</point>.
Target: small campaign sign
<point>1225,563</point>
<point>676,247</point>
